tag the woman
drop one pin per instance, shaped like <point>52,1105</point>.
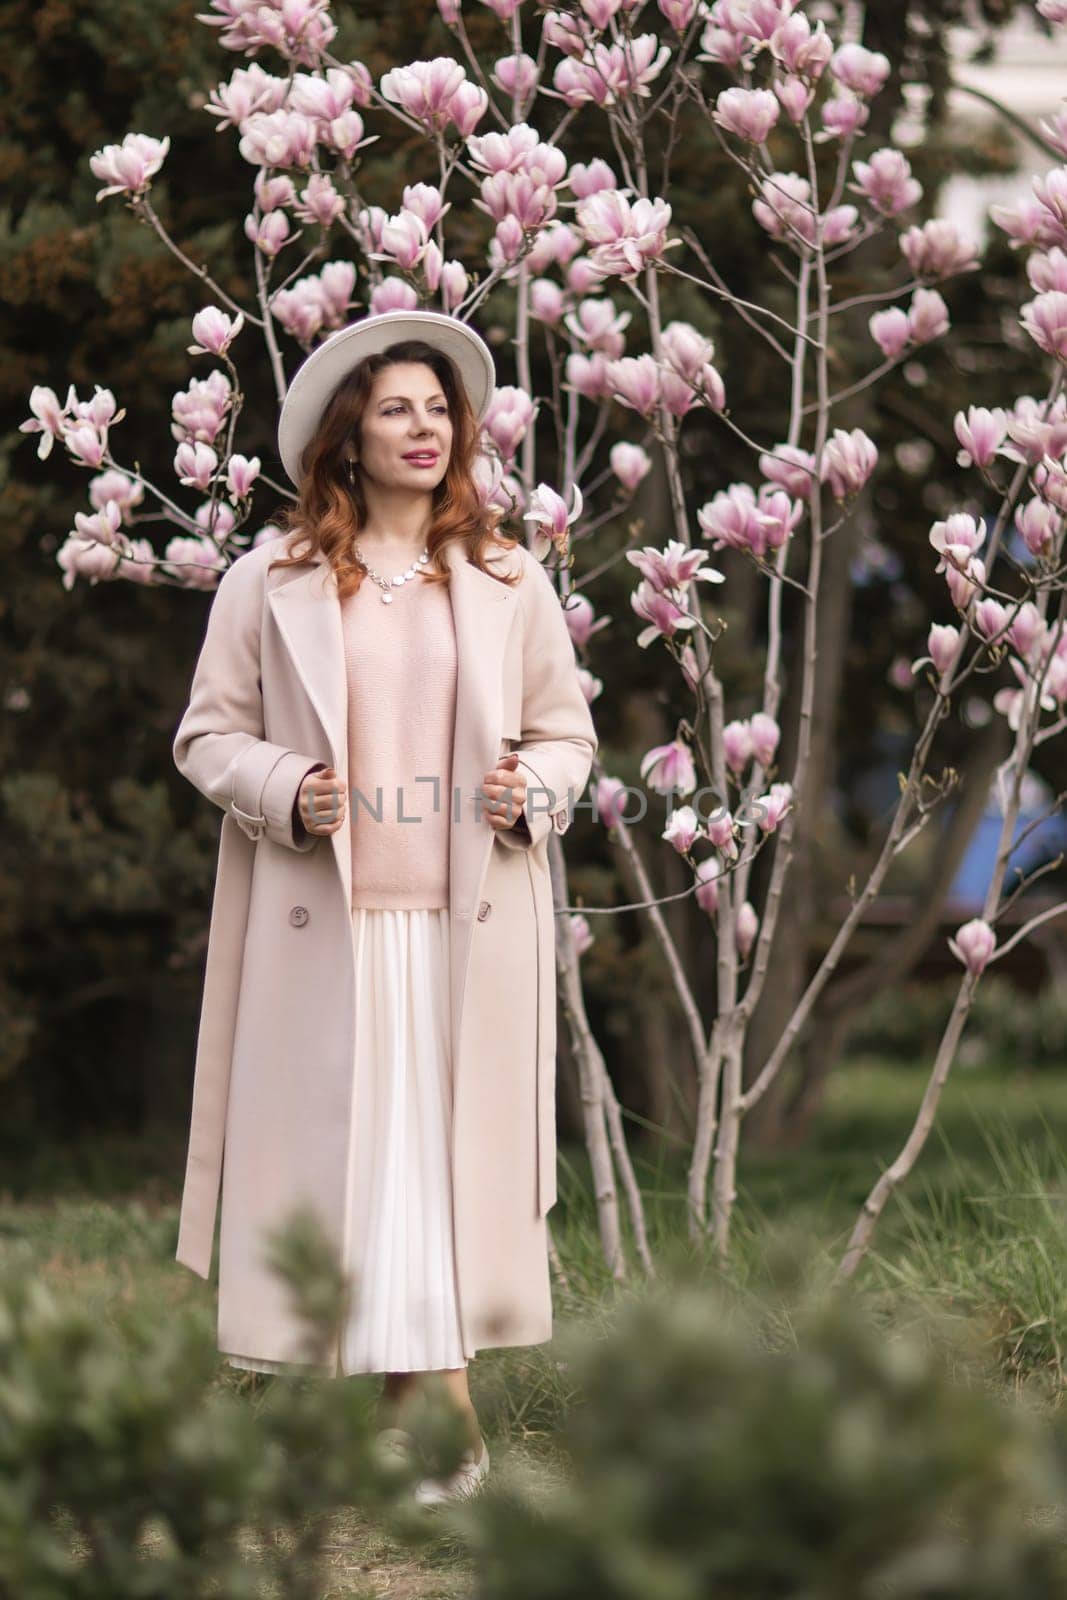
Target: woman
<point>387,709</point>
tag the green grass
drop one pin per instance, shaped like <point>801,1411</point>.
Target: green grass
<point>976,1235</point>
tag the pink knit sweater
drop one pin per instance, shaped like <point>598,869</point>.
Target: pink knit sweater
<point>401,668</point>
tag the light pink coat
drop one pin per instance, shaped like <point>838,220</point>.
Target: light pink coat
<point>274,1075</point>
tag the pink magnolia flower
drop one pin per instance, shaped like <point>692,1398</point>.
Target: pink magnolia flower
<point>672,569</point>
<point>86,444</point>
<point>609,796</point>
<point>794,96</point>
<point>886,181</point>
<point>891,331</point>
<point>83,558</point>
<point>115,486</point>
<point>199,412</point>
<point>980,433</point>
<point>300,310</point>
<point>1047,270</point>
<point>625,237</point>
<point>546,301</point>
<point>737,745</point>
<point>679,13</point>
<point>589,178</point>
<point>1027,629</point>
<point>991,618</point>
<point>516,75</point>
<point>582,276</point>
<point>102,526</point>
<point>511,412</point>
<point>721,829</point>
<point>765,735</point>
<point>323,97</point>
<point>635,382</point>
<point>848,460</point>
<point>683,829</point>
<point>241,474</point>
<point>1036,430</point>
<point>784,206</point>
<point>600,12</point>
<point>129,167</point>
<point>746,927</point>
<point>216,518</point>
<point>685,349</point>
<point>668,768</point>
<point>629,463</point>
<point>726,47</point>
<point>345,134</point>
<point>1045,320</point>
<point>454,284</point>
<point>549,511</point>
<point>269,233</point>
<point>927,316</point>
<point>1054,10</point>
<point>793,469</point>
<point>942,642</point>
<point>1039,526</point>
<point>777,517</point>
<point>578,614</point>
<point>580,932</point>
<point>424,89</point>
<point>590,686</point>
<point>198,562</point>
<point>774,805</point>
<point>1050,191</point>
<point>974,944</point>
<point>964,585</point>
<point>730,518</point>
<point>467,108</point>
<point>195,465</point>
<point>1050,481</point>
<point>750,114</point>
<point>707,892</point>
<point>1011,703</point>
<point>862,71</point>
<point>320,202</point>
<point>937,249</point>
<point>214,331</point>
<point>597,324</point>
<point>249,89</point>
<point>801,49</point>
<point>278,139</point>
<point>48,419</point>
<point>661,611</point>
<point>588,375</point>
<point>1029,223</point>
<point>273,191</point>
<point>957,540</point>
<point>843,116</point>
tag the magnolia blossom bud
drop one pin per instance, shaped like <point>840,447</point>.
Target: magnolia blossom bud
<point>974,943</point>
<point>747,927</point>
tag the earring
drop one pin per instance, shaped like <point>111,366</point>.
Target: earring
<point>350,470</point>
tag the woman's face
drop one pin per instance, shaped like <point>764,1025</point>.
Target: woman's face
<point>406,429</point>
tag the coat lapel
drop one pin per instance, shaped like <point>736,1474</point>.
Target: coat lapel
<point>307,611</point>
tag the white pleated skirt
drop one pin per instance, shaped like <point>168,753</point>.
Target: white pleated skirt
<point>399,1247</point>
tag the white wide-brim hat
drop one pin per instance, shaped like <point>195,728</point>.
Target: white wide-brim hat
<point>316,380</point>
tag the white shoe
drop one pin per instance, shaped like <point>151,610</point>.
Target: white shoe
<point>459,1484</point>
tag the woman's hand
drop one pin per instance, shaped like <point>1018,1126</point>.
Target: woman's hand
<point>505,789</point>
<point>327,794</point>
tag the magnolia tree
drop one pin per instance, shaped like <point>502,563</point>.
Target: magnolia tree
<point>576,246</point>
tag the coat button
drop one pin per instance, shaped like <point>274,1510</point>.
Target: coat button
<point>298,916</point>
<point>484,910</point>
<point>561,820</point>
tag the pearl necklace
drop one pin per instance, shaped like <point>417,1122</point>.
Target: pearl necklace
<point>387,585</point>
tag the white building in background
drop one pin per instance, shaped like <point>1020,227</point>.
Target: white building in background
<point>1029,77</point>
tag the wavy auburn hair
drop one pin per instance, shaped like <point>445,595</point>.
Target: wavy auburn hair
<point>330,512</point>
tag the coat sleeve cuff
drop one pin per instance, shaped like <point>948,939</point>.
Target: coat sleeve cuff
<point>266,785</point>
